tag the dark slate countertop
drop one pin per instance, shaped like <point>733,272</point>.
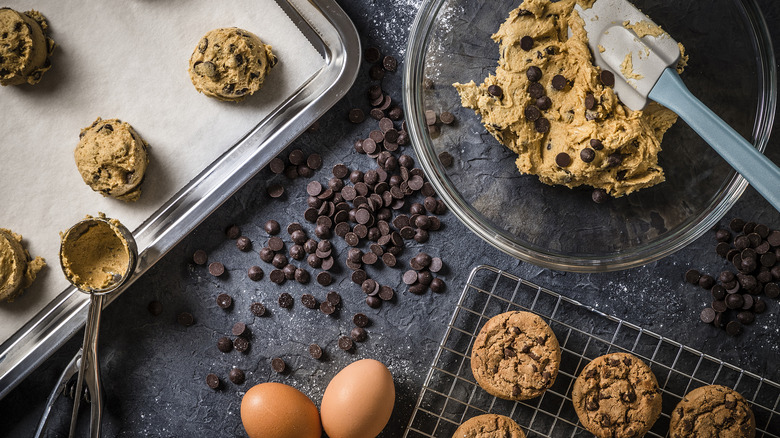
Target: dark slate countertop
<point>154,369</point>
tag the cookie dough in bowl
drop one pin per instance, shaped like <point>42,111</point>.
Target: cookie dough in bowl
<point>230,63</point>
<point>112,159</point>
<point>24,47</point>
<point>549,104</point>
<point>17,269</point>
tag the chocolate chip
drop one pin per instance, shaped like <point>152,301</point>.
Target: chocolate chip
<point>719,306</point>
<point>244,244</point>
<point>774,238</point>
<point>607,78</point>
<point>333,298</point>
<point>372,55</point>
<point>279,261</point>
<point>563,159</point>
<point>447,117</point>
<point>494,90</point>
<point>614,159</point>
<point>213,381</point>
<point>536,90</point>
<point>587,155</point>
<point>301,276</point>
<point>278,365</point>
<point>237,376</point>
<point>737,225</point>
<point>224,301</point>
<point>526,43</point>
<point>275,191</point>
<point>759,306</point>
<point>241,344</point>
<point>599,196</point>
<point>438,285</point>
<point>272,227</point>
<point>240,329</point>
<point>389,63</point>
<point>533,73</point>
<point>356,115</point>
<point>314,161</point>
<point>733,328</point>
<point>734,301</point>
<point>315,351</point>
<point>276,165</point>
<point>707,315</point>
<point>324,279</point>
<point>559,82</point>
<point>543,103</point>
<point>706,282</point>
<point>327,308</point>
<point>345,343</point>
<point>542,125</point>
<point>772,290</point>
<point>200,257</point>
<point>286,300</point>
<point>590,101</point>
<point>224,344</point>
<point>358,334</point>
<point>596,144</point>
<point>532,113</point>
<point>386,293</point>
<point>257,309</point>
<point>216,269</point>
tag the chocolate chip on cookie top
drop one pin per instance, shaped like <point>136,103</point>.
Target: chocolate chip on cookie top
<point>515,356</point>
<point>712,410</point>
<point>616,396</point>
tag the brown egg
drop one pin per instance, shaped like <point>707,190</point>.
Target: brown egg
<point>358,401</point>
<point>275,410</point>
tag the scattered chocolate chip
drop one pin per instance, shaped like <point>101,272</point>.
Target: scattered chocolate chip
<point>707,315</point>
<point>239,329</point>
<point>255,273</point>
<point>315,351</point>
<point>237,376</point>
<point>275,190</point>
<point>599,196</point>
<point>278,365</point>
<point>257,309</point>
<point>358,334</point>
<point>345,343</point>
<point>244,244</point>
<point>733,328</point>
<point>438,285</point>
<point>356,115</point>
<point>216,269</point>
<point>213,381</point>
<point>272,227</point>
<point>447,117</point>
<point>200,257</point>
<point>224,344</point>
<point>241,344</point>
<point>324,279</point>
<point>224,301</point>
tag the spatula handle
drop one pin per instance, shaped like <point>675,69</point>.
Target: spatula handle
<point>757,169</point>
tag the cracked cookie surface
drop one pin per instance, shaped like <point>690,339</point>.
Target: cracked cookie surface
<point>230,64</point>
<point>712,411</point>
<point>112,159</point>
<point>617,396</point>
<point>489,426</point>
<point>515,356</point>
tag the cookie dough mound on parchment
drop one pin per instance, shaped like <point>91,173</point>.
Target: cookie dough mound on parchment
<point>230,63</point>
<point>112,159</point>
<point>24,47</point>
<point>17,269</point>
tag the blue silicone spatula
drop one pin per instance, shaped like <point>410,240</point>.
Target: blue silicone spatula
<point>643,59</point>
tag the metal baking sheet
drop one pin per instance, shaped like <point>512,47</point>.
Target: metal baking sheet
<point>250,134</point>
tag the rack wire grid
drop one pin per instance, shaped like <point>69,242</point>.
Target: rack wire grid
<point>450,395</point>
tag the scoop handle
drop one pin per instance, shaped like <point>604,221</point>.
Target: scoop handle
<point>755,167</point>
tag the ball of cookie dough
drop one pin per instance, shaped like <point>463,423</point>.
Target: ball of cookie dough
<point>17,269</point>
<point>112,159</point>
<point>489,426</point>
<point>24,47</point>
<point>230,63</point>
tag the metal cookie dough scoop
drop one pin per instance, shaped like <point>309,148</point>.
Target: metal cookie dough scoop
<point>643,59</point>
<point>97,256</point>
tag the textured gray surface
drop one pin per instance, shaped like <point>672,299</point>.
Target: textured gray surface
<point>154,369</point>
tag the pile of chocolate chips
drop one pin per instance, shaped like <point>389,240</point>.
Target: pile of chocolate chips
<point>755,253</point>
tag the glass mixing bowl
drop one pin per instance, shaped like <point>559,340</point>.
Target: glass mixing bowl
<point>731,69</point>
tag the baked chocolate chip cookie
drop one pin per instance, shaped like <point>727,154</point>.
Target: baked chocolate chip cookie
<point>230,64</point>
<point>711,411</point>
<point>25,47</point>
<point>617,396</point>
<point>489,426</point>
<point>515,356</point>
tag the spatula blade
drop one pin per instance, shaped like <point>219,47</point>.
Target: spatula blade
<point>636,59</point>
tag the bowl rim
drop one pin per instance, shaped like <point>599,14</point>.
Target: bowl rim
<point>414,109</point>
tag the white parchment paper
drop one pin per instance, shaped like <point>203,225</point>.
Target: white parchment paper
<point>128,60</point>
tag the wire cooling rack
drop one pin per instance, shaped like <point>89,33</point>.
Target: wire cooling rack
<point>450,395</point>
